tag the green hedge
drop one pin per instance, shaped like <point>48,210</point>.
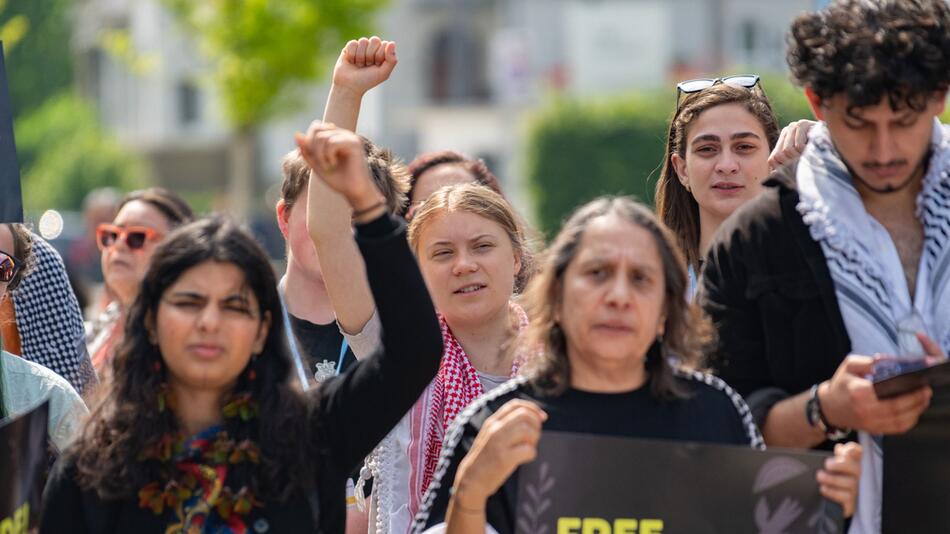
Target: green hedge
<point>578,150</point>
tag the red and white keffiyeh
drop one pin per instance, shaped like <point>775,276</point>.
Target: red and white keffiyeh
<point>404,463</point>
<point>455,387</point>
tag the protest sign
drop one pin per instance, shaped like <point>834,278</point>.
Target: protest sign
<point>608,485</point>
<point>23,461</point>
<point>11,200</point>
<point>916,471</point>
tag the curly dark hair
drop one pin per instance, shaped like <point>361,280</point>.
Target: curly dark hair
<point>431,160</point>
<point>871,49</point>
<point>127,418</point>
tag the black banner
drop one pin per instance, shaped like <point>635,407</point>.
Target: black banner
<point>607,485</point>
<point>11,200</point>
<point>917,471</point>
<point>23,461</point>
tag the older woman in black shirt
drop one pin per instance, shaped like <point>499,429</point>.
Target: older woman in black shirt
<point>609,314</point>
<point>201,429</point>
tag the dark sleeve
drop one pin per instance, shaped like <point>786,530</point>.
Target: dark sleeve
<point>63,509</point>
<point>738,356</point>
<point>358,408</point>
<point>458,441</point>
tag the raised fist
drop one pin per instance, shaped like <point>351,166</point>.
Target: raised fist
<point>364,64</point>
<point>337,157</point>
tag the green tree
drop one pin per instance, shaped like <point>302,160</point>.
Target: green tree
<point>261,53</point>
<point>64,154</point>
<point>36,35</point>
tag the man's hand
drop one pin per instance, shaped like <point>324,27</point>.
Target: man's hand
<point>337,158</point>
<point>791,143</point>
<point>364,64</point>
<point>848,400</point>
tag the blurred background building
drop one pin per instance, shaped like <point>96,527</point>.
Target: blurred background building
<point>563,99</point>
<point>469,71</point>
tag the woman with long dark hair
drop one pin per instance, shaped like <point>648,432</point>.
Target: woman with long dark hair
<point>608,318</point>
<point>717,156</point>
<point>201,429</point>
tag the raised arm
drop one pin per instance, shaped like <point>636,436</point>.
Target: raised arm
<point>360,407</point>
<point>362,65</point>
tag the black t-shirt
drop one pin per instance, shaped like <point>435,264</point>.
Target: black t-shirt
<point>319,343</point>
<point>713,413</point>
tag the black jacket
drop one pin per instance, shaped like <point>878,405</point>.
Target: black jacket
<point>767,288</point>
<point>354,411</point>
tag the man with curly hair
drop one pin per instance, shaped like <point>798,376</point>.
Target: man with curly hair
<point>846,254</point>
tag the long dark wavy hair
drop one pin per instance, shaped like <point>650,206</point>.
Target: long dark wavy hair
<point>127,419</point>
<point>687,332</point>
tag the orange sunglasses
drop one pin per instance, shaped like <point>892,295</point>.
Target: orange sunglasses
<point>135,236</point>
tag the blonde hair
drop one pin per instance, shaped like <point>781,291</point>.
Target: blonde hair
<point>478,200</point>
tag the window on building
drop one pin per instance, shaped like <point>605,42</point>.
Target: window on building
<point>457,67</point>
<point>748,33</point>
<point>189,103</point>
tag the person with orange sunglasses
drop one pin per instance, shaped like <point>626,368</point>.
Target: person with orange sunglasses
<point>143,219</point>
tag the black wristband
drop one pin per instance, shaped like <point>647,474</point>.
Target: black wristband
<point>816,418</point>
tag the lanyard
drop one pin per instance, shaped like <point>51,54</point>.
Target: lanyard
<point>295,350</point>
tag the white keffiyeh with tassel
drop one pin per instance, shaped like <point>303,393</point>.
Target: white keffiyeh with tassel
<point>869,281</point>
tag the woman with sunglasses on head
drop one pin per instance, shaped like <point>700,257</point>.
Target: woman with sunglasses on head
<point>717,156</point>
<point>24,384</point>
<point>144,217</point>
<point>203,428</point>
<point>608,311</point>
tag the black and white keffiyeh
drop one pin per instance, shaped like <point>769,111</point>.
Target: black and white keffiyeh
<point>869,281</point>
<point>49,319</point>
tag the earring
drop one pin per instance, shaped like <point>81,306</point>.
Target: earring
<point>251,372</point>
<point>688,190</point>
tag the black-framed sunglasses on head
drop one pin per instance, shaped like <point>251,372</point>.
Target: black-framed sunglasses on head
<point>696,85</point>
<point>9,266</point>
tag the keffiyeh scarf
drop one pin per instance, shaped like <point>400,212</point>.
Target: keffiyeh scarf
<point>404,463</point>
<point>49,319</point>
<point>869,281</point>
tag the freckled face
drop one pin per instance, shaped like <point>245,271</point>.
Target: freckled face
<point>469,265</point>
